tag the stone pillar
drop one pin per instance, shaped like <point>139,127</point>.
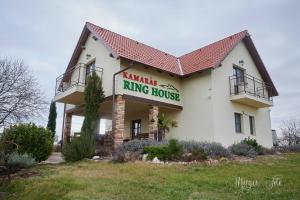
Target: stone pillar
<point>153,122</point>
<point>119,121</point>
<point>67,128</point>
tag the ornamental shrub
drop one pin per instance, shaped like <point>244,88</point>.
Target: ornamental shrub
<point>252,142</point>
<point>172,151</point>
<point>289,148</point>
<point>31,139</point>
<point>13,162</point>
<point>211,149</point>
<point>243,149</point>
<point>138,145</point>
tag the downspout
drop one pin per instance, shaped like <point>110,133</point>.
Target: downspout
<point>113,97</point>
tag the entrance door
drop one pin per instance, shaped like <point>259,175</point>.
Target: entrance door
<point>135,128</point>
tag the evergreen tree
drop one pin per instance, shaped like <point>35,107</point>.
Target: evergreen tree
<point>52,118</point>
<point>93,97</point>
<point>84,146</point>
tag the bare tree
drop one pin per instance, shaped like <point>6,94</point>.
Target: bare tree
<point>291,131</point>
<point>20,96</point>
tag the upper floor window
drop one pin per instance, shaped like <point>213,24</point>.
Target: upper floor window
<point>90,68</point>
<point>239,74</point>
<point>238,122</point>
<point>252,125</point>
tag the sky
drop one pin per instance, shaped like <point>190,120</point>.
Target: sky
<point>44,34</point>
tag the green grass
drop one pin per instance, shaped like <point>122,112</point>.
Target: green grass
<point>103,180</point>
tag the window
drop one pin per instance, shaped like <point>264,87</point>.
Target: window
<point>239,74</point>
<point>252,125</point>
<point>136,128</point>
<point>90,68</point>
<point>238,122</point>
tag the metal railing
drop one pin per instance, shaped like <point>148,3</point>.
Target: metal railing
<point>74,77</point>
<point>247,84</point>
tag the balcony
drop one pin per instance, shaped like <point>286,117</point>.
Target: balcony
<point>69,87</point>
<point>250,91</point>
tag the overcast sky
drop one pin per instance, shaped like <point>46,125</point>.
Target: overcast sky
<point>44,34</point>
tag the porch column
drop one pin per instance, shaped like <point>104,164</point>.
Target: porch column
<point>67,128</point>
<point>153,121</point>
<point>119,121</point>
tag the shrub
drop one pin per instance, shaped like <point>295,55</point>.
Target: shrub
<point>196,154</point>
<point>138,145</point>
<point>13,162</point>
<point>252,142</point>
<point>161,152</point>
<point>125,156</point>
<point>172,151</point>
<point>289,148</point>
<point>31,139</point>
<point>242,149</point>
<point>175,149</point>
<point>211,149</point>
<point>78,149</point>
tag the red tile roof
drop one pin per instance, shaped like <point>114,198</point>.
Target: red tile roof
<point>211,55</point>
<point>134,50</point>
<point>206,57</point>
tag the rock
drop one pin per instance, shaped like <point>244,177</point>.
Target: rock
<point>144,158</point>
<point>156,160</point>
<point>96,157</point>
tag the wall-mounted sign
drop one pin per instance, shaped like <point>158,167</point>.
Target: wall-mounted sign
<point>149,86</point>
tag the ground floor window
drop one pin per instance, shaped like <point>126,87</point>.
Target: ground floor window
<point>252,125</point>
<point>238,122</point>
<point>136,128</point>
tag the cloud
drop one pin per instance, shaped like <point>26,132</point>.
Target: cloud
<point>44,34</point>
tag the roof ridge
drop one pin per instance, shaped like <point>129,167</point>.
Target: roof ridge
<point>180,67</point>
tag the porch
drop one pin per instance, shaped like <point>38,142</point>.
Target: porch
<point>135,118</point>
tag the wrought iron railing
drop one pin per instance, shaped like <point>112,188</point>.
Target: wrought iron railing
<point>247,84</point>
<point>74,77</point>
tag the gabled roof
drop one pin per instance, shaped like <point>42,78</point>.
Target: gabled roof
<point>209,56</point>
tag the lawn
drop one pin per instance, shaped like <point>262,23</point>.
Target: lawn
<point>271,177</point>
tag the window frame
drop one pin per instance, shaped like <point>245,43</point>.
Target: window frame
<point>252,124</point>
<point>240,124</point>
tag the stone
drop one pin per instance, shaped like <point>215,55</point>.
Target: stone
<point>96,157</point>
<point>144,158</point>
<point>156,160</point>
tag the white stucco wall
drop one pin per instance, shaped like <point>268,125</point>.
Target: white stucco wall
<point>195,120</point>
<point>223,108</point>
<point>100,54</point>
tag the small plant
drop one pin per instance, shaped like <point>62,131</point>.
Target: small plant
<point>195,155</point>
<point>172,151</point>
<point>252,142</point>
<point>289,148</point>
<point>212,149</point>
<point>175,149</point>
<point>13,162</point>
<point>164,125</point>
<point>243,149</point>
<point>31,139</point>
<point>161,152</point>
<point>138,145</point>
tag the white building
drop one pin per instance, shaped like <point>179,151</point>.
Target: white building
<point>221,92</point>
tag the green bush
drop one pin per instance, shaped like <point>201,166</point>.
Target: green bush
<point>79,148</point>
<point>31,139</point>
<point>171,151</point>
<point>161,152</point>
<point>252,142</point>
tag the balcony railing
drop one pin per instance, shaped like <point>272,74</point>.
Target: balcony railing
<point>247,84</point>
<point>74,77</point>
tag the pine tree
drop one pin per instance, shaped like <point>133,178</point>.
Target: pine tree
<point>52,118</point>
<point>93,97</point>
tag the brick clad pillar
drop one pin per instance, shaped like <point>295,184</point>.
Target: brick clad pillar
<point>153,121</point>
<point>119,121</point>
<point>67,128</point>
